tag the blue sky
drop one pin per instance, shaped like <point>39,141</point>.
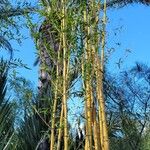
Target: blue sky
<point>134,35</point>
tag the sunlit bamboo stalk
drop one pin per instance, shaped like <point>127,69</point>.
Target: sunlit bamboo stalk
<point>95,132</point>
<point>64,101</point>
<point>102,103</point>
<point>86,131</point>
<point>98,92</point>
<point>95,42</point>
<point>103,135</point>
<point>60,130</point>
<point>52,139</point>
<point>88,96</point>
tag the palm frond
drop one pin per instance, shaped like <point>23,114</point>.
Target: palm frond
<point>13,12</point>
<point>4,43</point>
<point>6,110</point>
<point>8,13</point>
<point>122,3</point>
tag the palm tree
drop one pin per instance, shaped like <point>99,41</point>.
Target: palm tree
<point>7,112</point>
<point>29,132</point>
<point>8,13</point>
<point>30,126</point>
<point>122,3</point>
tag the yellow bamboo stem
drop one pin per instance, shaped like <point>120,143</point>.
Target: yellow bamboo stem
<point>86,131</point>
<point>98,92</point>
<point>102,103</point>
<point>95,135</point>
<point>52,141</point>
<point>53,120</point>
<point>60,129</point>
<point>94,29</point>
<point>64,75</point>
<point>88,88</point>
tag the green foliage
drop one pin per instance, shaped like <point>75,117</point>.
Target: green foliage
<point>29,133</point>
<point>126,124</point>
<point>30,122</point>
<point>128,107</point>
<point>146,140</point>
<point>10,20</point>
<point>7,111</point>
<point>122,3</point>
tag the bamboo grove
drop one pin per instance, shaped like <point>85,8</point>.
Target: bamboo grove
<point>78,104</point>
<point>75,46</point>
